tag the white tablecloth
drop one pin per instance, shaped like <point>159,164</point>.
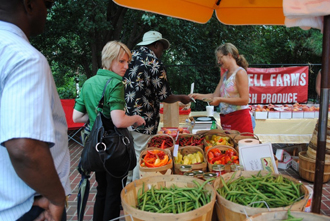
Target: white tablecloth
<point>279,130</point>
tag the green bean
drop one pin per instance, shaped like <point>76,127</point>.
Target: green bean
<point>164,209</point>
<point>144,201</point>
<point>205,182</point>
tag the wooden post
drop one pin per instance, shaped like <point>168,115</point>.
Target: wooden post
<point>171,115</point>
<point>323,116</point>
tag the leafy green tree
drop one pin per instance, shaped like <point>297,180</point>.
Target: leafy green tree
<point>78,30</point>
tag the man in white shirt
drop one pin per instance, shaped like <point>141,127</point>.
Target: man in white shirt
<point>34,155</point>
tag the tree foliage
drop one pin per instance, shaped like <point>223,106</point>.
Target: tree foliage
<point>78,30</point>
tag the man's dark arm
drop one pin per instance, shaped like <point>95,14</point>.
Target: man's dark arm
<point>34,164</point>
<point>185,99</point>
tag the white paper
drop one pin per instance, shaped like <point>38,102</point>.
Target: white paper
<point>192,88</point>
<point>250,156</point>
<point>175,150</point>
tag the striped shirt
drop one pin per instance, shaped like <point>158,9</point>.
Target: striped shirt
<point>29,108</point>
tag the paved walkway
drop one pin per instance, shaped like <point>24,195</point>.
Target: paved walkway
<point>75,151</point>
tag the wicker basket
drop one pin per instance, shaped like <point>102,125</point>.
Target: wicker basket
<point>148,171</point>
<point>130,192</point>
<point>230,133</point>
<point>307,168</point>
<point>227,210</point>
<point>222,148</point>
<point>283,215</point>
<point>190,136</point>
<point>311,153</point>
<point>211,133</point>
<point>190,150</point>
<point>161,137</point>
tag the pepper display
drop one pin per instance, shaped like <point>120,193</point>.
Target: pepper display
<point>161,142</point>
<point>214,140</point>
<point>196,140</point>
<point>216,156</point>
<point>155,158</point>
<point>192,158</point>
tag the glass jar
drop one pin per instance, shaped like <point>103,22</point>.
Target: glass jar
<point>185,169</point>
<point>198,173</point>
<point>189,174</point>
<point>219,169</point>
<point>236,167</point>
<point>209,175</point>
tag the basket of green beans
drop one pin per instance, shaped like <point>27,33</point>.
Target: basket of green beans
<point>245,193</point>
<point>169,197</point>
<point>288,216</point>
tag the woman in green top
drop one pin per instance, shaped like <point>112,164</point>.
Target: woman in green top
<point>115,59</point>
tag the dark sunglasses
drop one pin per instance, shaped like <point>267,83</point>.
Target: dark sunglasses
<point>49,3</point>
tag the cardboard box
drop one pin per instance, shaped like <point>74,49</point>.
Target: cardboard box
<point>286,159</point>
<point>279,154</point>
<point>297,114</point>
<point>295,163</point>
<point>261,114</point>
<point>309,114</point>
<point>273,115</point>
<point>285,114</point>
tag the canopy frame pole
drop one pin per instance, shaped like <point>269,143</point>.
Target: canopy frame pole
<point>323,118</point>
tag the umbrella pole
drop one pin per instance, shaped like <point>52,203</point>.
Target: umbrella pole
<point>323,118</point>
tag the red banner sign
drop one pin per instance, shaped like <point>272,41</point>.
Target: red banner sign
<point>278,85</point>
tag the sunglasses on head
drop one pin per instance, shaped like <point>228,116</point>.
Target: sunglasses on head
<point>49,3</point>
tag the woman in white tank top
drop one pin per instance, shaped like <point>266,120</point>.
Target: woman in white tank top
<point>232,92</point>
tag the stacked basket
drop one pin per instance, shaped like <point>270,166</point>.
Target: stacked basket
<point>307,159</point>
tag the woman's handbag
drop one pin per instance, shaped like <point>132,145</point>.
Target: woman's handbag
<point>108,148</point>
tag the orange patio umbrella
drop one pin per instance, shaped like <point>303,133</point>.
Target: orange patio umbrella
<point>231,12</point>
<point>250,12</point>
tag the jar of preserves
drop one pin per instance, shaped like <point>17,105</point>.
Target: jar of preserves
<point>236,167</point>
<point>209,175</point>
<point>198,173</point>
<point>189,174</point>
<point>219,169</point>
<point>185,169</point>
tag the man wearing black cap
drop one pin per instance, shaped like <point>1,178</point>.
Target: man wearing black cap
<point>146,86</point>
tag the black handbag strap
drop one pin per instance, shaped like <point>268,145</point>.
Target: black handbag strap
<point>101,102</point>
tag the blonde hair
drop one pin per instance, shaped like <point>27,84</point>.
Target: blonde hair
<point>229,48</point>
<point>114,50</point>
